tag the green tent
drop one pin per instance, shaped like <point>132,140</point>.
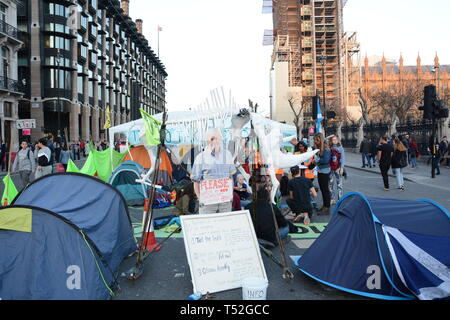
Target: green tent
<point>99,163</point>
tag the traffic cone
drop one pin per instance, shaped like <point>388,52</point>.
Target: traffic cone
<point>149,242</point>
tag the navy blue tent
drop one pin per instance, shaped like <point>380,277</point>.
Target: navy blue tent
<point>90,204</point>
<point>44,256</point>
<point>384,249</point>
<point>124,179</point>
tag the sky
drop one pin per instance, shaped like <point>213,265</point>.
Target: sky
<point>208,44</point>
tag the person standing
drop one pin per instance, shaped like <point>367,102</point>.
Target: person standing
<point>337,166</point>
<point>444,150</point>
<point>83,147</point>
<point>399,161</point>
<point>322,161</point>
<point>215,162</point>
<point>2,155</point>
<point>24,163</point>
<point>414,152</point>
<point>44,159</point>
<point>385,153</point>
<point>75,148</point>
<point>373,151</point>
<point>65,155</point>
<point>364,149</point>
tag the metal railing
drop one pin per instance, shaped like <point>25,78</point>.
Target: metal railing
<point>8,29</point>
<point>10,85</point>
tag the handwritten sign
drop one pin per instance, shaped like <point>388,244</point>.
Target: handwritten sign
<point>222,250</point>
<point>216,191</point>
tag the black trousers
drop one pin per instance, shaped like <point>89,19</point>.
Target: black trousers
<point>324,184</point>
<point>297,208</point>
<point>384,172</point>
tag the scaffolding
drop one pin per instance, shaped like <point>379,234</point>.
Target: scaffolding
<point>305,30</point>
<point>351,49</point>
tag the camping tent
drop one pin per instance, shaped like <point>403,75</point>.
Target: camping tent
<point>124,179</point>
<point>91,205</point>
<point>384,249</point>
<point>44,256</point>
<point>141,155</point>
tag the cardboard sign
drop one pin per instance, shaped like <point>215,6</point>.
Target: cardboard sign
<point>216,191</point>
<point>222,250</point>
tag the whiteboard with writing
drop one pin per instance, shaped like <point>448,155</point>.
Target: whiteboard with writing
<point>222,250</point>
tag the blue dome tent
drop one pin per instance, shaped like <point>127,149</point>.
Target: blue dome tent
<point>124,179</point>
<point>384,249</point>
<point>41,252</point>
<point>90,205</point>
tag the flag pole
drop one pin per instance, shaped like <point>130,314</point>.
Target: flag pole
<point>159,28</point>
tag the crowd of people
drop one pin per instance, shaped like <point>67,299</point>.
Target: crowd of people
<point>35,160</point>
<point>297,189</point>
<point>399,152</point>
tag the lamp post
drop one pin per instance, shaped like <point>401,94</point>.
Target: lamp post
<point>58,62</point>
<point>323,60</point>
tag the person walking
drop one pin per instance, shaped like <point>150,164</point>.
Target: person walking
<point>24,163</point>
<point>364,149</point>
<point>385,153</point>
<point>414,152</point>
<point>399,161</point>
<point>337,166</point>
<point>44,155</point>
<point>75,148</point>
<point>322,161</point>
<point>373,151</point>
<point>57,146</point>
<point>65,155</point>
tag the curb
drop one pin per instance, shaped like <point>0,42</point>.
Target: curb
<point>379,173</point>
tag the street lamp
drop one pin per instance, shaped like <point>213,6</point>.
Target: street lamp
<point>58,62</point>
<point>438,79</point>
<point>323,60</point>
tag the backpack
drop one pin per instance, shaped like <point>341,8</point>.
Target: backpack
<point>335,162</point>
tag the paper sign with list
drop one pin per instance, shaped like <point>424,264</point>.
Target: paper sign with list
<point>216,191</point>
<point>222,250</point>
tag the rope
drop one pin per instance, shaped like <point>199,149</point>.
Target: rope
<point>98,267</point>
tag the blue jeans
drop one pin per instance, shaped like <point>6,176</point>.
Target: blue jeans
<point>366,156</point>
<point>283,232</point>
<point>336,180</point>
<point>399,174</point>
<point>413,162</point>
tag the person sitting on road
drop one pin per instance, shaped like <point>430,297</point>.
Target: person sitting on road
<point>186,202</point>
<point>261,212</point>
<point>300,191</point>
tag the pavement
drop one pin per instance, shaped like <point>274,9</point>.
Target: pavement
<point>166,273</point>
<point>420,175</point>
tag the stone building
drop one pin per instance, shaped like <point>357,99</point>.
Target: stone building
<point>10,88</point>
<point>81,57</point>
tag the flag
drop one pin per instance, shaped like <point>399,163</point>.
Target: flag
<point>108,119</point>
<point>319,117</point>
<point>421,261</point>
<point>10,192</point>
<point>72,167</point>
<point>151,128</point>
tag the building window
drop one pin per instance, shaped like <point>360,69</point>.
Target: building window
<point>56,9</point>
<point>3,12</point>
<point>57,43</point>
<point>57,79</point>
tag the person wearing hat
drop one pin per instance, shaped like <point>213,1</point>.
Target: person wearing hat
<point>300,191</point>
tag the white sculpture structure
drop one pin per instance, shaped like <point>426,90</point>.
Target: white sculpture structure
<point>270,138</point>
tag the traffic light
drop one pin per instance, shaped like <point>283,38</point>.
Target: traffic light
<point>315,107</point>
<point>429,102</point>
<point>331,115</point>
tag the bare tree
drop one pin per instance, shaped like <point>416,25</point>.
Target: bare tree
<point>297,107</point>
<point>399,101</point>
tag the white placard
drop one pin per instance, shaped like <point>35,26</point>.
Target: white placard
<point>216,191</point>
<point>222,250</point>
<point>26,124</point>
